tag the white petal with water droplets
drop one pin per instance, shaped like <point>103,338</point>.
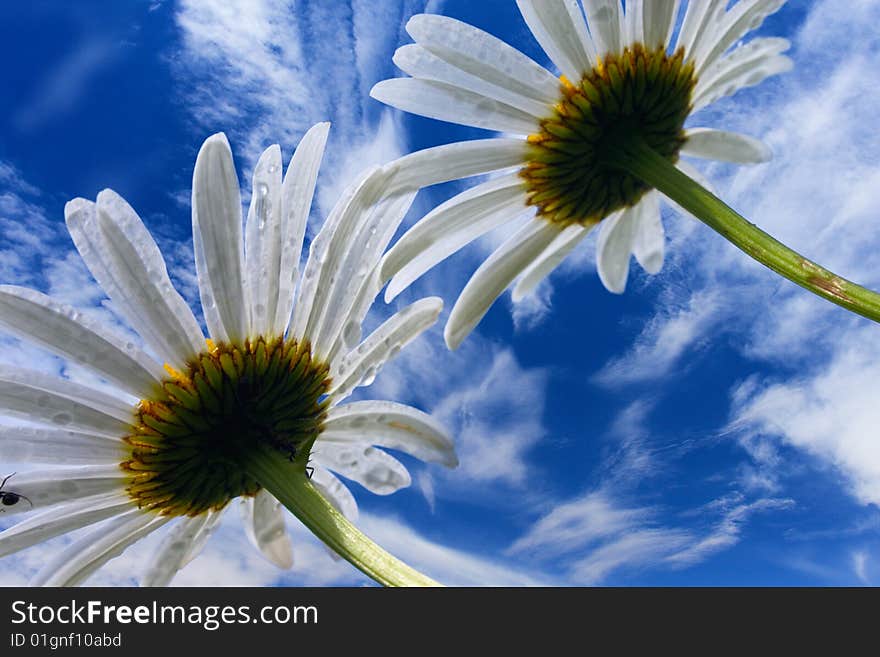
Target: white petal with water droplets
<point>550,259</point>
<point>335,491</point>
<point>451,226</point>
<point>328,250</point>
<point>263,518</point>
<point>658,21</point>
<point>44,488</point>
<point>444,102</point>
<point>127,264</point>
<point>60,519</point>
<point>423,64</point>
<point>297,191</point>
<point>359,368</point>
<point>698,24</point>
<point>650,241</point>
<point>378,472</point>
<point>217,239</point>
<point>476,52</point>
<point>743,17</point>
<point>617,235</point>
<point>79,561</point>
<point>746,66</point>
<point>494,275</point>
<point>560,29</point>
<point>182,543</point>
<point>392,425</point>
<point>605,19</point>
<point>38,397</point>
<point>725,146</point>
<point>634,23</point>
<point>59,447</point>
<point>462,159</point>
<point>373,230</point>
<point>263,241</point>
<point>64,331</point>
<point>134,261</point>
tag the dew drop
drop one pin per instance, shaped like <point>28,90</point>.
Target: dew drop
<point>62,419</point>
<point>351,334</point>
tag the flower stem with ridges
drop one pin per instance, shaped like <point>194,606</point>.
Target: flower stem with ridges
<point>287,481</point>
<point>661,174</point>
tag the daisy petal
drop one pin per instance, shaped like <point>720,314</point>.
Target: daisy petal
<point>65,332</point>
<point>441,101</point>
<point>658,21</point>
<point>391,425</point>
<point>725,146</point>
<point>127,264</point>
<point>617,235</point>
<point>79,561</point>
<point>216,218</point>
<point>746,66</point>
<point>177,544</point>
<point>336,492</point>
<point>44,488</point>
<point>61,519</point>
<point>605,18</point>
<point>263,241</point>
<point>329,248</point>
<point>263,518</point>
<point>423,64</point>
<point>464,159</point>
<point>550,259</point>
<point>743,17</point>
<point>494,275</point>
<point>634,24</point>
<point>137,265</point>
<point>476,52</point>
<point>560,29</point>
<point>698,24</point>
<point>296,202</point>
<point>58,447</point>
<point>375,229</point>
<point>451,226</point>
<point>378,472</point>
<point>649,245</point>
<point>37,397</point>
<point>201,538</point>
<point>360,367</point>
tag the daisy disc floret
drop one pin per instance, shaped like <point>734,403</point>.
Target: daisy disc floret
<point>640,96</point>
<point>625,82</point>
<point>253,413</point>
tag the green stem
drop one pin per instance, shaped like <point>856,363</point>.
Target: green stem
<point>658,172</point>
<point>288,483</point>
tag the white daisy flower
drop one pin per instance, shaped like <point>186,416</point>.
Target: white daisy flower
<point>628,80</point>
<point>191,416</point>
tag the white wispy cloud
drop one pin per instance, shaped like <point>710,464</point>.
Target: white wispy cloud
<point>830,413</point>
<point>266,72</point>
<point>596,535</point>
<point>665,339</point>
<point>63,87</point>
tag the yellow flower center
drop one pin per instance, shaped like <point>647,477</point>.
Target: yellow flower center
<point>640,95</point>
<point>191,442</point>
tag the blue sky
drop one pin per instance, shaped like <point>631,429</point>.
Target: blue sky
<point>713,425</point>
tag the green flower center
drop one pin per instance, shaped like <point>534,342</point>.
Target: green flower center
<point>640,95</point>
<point>191,443</point>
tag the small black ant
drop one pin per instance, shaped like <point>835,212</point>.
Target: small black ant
<point>8,498</point>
